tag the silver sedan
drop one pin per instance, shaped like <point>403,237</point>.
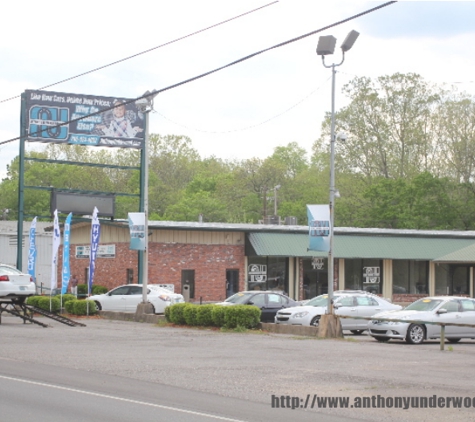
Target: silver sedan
<point>423,320</point>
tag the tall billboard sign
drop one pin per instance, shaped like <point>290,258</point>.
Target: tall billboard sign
<point>77,119</point>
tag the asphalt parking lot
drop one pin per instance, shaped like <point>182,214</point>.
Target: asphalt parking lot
<point>257,365</point>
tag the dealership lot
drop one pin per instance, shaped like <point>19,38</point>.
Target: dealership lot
<point>255,366</point>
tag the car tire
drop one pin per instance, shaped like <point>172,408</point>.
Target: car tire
<point>381,339</point>
<point>454,340</point>
<point>98,306</point>
<point>356,332</point>
<point>415,334</point>
<point>315,321</point>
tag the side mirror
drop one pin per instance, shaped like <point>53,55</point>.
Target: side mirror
<point>250,302</point>
<point>442,311</point>
<point>336,305</point>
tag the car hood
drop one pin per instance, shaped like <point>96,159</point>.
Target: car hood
<point>298,309</point>
<point>403,314</point>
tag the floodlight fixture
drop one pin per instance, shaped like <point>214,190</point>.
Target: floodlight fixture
<point>349,40</point>
<point>326,45</point>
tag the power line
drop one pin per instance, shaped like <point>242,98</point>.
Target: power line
<point>251,126</point>
<point>148,51</point>
<point>155,92</point>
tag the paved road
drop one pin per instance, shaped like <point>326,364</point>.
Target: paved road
<point>254,369</point>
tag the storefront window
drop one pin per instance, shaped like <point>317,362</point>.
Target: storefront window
<point>364,274</point>
<point>267,273</point>
<point>315,277</point>
<point>452,279</point>
<point>410,276</point>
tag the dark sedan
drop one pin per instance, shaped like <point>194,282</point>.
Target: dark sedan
<point>269,302</point>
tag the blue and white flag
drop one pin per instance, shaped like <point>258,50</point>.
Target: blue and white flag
<point>319,227</point>
<point>56,243</point>
<point>137,231</point>
<point>95,234</point>
<point>32,251</point>
<point>66,273</point>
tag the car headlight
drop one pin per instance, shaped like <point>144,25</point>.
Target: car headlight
<point>394,322</point>
<point>165,298</point>
<point>301,314</point>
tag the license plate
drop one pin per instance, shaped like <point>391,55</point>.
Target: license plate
<point>22,288</point>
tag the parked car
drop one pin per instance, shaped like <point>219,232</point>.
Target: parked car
<point>442,309</point>
<point>269,302</point>
<point>346,302</point>
<point>14,283</point>
<point>126,298</point>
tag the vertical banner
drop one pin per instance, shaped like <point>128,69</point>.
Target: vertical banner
<point>32,251</point>
<point>137,231</point>
<point>319,227</point>
<point>95,234</point>
<point>66,273</point>
<point>56,243</point>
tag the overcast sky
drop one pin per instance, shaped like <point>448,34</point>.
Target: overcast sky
<point>243,111</point>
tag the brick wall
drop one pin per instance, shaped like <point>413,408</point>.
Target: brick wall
<point>166,261</point>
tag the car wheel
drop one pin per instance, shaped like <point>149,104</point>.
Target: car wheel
<point>454,340</point>
<point>415,334</point>
<point>315,321</point>
<point>356,332</point>
<point>98,306</point>
<point>381,339</point>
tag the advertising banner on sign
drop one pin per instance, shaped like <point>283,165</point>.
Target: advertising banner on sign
<point>66,270</point>
<point>137,231</point>
<point>95,235</point>
<point>319,227</point>
<point>56,243</point>
<point>88,120</point>
<point>32,251</point>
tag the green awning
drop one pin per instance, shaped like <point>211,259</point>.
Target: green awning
<point>371,246</point>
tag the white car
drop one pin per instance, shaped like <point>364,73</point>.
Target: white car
<point>346,302</point>
<point>126,298</point>
<point>439,309</point>
<point>14,283</point>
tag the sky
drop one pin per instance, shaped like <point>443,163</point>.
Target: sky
<point>243,111</point>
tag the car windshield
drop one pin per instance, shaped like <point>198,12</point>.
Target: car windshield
<point>321,300</point>
<point>239,298</point>
<point>423,305</point>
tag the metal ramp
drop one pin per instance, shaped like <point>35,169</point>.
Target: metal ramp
<point>19,309</point>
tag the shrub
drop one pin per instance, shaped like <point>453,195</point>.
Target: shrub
<point>217,315</point>
<point>80,307</point>
<point>66,298</point>
<point>33,300</point>
<point>69,306</point>
<point>190,314</point>
<point>49,303</point>
<point>204,316</point>
<point>167,313</point>
<point>99,290</point>
<point>242,316</point>
<point>177,313</point>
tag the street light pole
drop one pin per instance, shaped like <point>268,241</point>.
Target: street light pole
<point>145,105</point>
<point>326,46</point>
<point>276,188</point>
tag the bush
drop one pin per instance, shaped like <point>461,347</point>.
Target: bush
<point>177,313</point>
<point>217,315</point>
<point>80,307</point>
<point>99,290</point>
<point>66,298</point>
<point>204,316</point>
<point>33,300</point>
<point>167,313</point>
<point>242,316</point>
<point>190,314</point>
<point>69,306</point>
<point>44,303</point>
